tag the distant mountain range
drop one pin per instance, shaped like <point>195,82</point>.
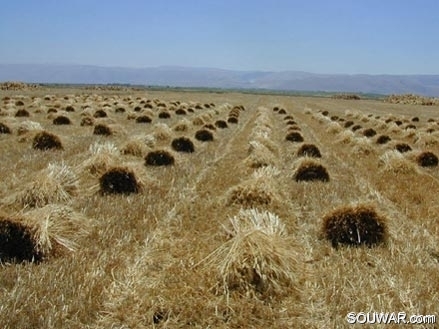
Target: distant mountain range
<point>176,76</point>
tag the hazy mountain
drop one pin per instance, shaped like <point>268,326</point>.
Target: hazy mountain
<point>217,78</point>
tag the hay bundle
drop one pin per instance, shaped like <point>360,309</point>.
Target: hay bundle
<point>183,125</point>
<point>16,242</point>
<point>356,127</point>
<point>221,124</point>
<point>309,170</point>
<point>103,156</point>
<point>120,110</point>
<point>159,158</point>
<point>257,258</point>
<point>334,128</point>
<point>363,146</point>
<point>162,132</point>
<point>257,191</point>
<point>355,226</point>
<point>143,119</point>
<point>87,121</point>
<point>46,141</point>
<point>232,119</point>
<point>198,121</point>
<point>180,112</point>
<point>294,137</point>
<point>102,129</point>
<point>393,161</point>
<point>119,180</point>
<point>427,159</point>
<point>209,126</point>
<point>259,155</point>
<point>309,150</point>
<point>403,147</point>
<point>383,139</point>
<point>346,137</point>
<point>22,113</point>
<point>369,132</point>
<point>61,120</point>
<point>348,124</point>
<point>164,115</point>
<point>293,128</point>
<point>4,129</point>
<point>183,144</point>
<point>56,228</point>
<point>204,135</point>
<point>100,114</point>
<point>69,108</point>
<point>136,147</point>
<point>55,184</point>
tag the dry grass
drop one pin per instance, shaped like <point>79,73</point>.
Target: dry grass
<point>180,253</point>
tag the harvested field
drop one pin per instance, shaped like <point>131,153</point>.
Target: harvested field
<point>222,210</point>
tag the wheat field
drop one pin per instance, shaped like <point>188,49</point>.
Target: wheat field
<point>166,209</point>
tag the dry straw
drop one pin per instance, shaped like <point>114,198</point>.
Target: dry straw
<point>183,125</point>
<point>55,184</point>
<point>310,170</point>
<point>136,146</point>
<point>204,135</point>
<point>162,132</point>
<point>354,226</point>
<point>41,233</point>
<point>257,258</point>
<point>183,144</point>
<point>4,129</point>
<point>334,128</point>
<point>395,162</point>
<point>402,147</point>
<point>427,159</point>
<point>56,227</point>
<point>16,241</point>
<point>61,120</point>
<point>259,155</point>
<point>119,180</point>
<point>294,136</point>
<point>309,150</point>
<point>159,158</point>
<point>257,191</point>
<point>102,157</point>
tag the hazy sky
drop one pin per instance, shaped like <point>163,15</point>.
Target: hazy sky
<point>322,36</point>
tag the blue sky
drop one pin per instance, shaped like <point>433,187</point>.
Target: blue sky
<point>339,36</point>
